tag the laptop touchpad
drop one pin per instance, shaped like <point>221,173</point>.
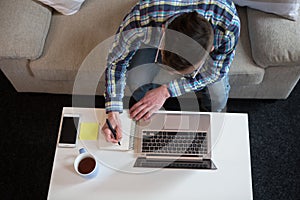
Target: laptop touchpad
<point>175,122</point>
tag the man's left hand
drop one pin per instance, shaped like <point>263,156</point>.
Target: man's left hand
<point>150,103</point>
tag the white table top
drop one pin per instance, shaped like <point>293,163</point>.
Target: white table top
<point>118,179</point>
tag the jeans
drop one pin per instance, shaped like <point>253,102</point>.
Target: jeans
<point>215,95</point>
<point>144,75</point>
<point>141,73</point>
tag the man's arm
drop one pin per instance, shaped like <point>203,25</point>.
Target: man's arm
<point>115,84</point>
<point>126,42</point>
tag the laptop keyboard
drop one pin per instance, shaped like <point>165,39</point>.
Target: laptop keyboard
<point>193,143</point>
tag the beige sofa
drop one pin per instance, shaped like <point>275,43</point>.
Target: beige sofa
<point>44,51</point>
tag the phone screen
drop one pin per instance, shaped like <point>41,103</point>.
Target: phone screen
<point>69,130</point>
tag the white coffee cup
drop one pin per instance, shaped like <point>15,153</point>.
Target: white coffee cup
<point>85,164</point>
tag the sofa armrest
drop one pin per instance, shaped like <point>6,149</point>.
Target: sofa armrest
<point>24,26</point>
<point>274,40</point>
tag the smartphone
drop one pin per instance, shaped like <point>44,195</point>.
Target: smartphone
<point>68,130</point>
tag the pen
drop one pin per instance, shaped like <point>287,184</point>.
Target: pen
<point>112,130</point>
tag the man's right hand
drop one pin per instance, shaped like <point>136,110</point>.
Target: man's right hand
<point>114,118</point>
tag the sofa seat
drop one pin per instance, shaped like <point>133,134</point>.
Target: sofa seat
<point>275,48</point>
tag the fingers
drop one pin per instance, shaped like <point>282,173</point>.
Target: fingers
<point>151,102</point>
<point>109,135</point>
<point>119,133</point>
<point>136,111</point>
<point>134,108</point>
<point>149,114</point>
<point>143,112</point>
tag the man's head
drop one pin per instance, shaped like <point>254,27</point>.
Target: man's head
<point>197,28</point>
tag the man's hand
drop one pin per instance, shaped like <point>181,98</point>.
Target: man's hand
<point>151,102</point>
<point>114,119</point>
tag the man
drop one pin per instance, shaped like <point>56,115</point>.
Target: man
<point>188,34</point>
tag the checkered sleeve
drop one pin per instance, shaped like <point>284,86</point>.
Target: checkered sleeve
<point>127,40</point>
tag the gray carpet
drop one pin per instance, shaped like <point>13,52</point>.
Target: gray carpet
<point>29,126</point>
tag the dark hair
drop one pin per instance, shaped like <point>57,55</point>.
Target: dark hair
<point>195,27</point>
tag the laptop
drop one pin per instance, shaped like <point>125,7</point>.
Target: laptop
<point>174,140</point>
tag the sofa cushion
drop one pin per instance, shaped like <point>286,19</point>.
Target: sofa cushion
<point>274,40</point>
<point>285,8</point>
<point>24,26</point>
<point>71,38</point>
<point>243,70</point>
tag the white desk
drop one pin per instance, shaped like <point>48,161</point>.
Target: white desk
<point>117,179</point>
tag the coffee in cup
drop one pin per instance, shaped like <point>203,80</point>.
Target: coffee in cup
<point>85,164</point>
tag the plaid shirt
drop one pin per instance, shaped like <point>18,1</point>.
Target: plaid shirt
<point>133,32</point>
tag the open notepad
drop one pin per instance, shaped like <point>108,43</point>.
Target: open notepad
<point>128,127</point>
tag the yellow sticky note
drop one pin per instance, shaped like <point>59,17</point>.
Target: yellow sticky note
<point>89,131</point>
